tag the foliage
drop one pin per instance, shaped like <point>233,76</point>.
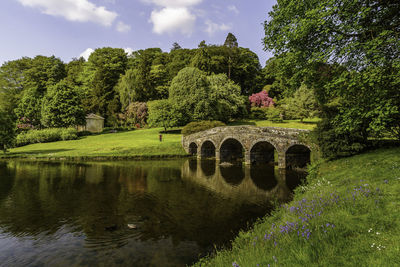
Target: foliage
<point>275,114</point>
<point>7,131</point>
<point>359,97</point>
<point>199,126</point>
<point>12,83</point>
<point>62,106</point>
<point>229,102</point>
<point>101,74</point>
<point>261,99</point>
<point>189,93</point>
<point>46,135</point>
<point>41,73</point>
<point>136,114</point>
<point>162,113</point>
<point>302,105</point>
<point>199,97</point>
<point>258,113</point>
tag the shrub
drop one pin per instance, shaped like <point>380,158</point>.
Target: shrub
<point>258,113</point>
<point>46,135</point>
<point>274,114</point>
<point>261,99</point>
<point>199,126</point>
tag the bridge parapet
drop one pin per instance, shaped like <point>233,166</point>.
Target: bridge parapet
<point>281,139</point>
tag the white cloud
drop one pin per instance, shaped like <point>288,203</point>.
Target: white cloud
<point>171,19</point>
<point>74,10</point>
<point>174,3</point>
<point>128,50</point>
<point>213,27</point>
<point>122,27</point>
<point>233,9</point>
<point>85,54</point>
<point>173,16</point>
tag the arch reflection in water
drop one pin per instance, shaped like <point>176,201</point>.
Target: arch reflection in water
<point>208,167</point>
<point>233,174</point>
<point>208,149</point>
<point>193,164</point>
<point>297,156</point>
<point>231,150</point>
<point>262,152</point>
<point>263,176</point>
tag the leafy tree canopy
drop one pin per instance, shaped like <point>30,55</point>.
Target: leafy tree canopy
<point>350,52</point>
<point>62,106</point>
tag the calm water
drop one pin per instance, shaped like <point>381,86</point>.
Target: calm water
<point>77,214</point>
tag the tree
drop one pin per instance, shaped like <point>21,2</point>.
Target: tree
<point>261,99</point>
<point>12,83</point>
<point>302,105</point>
<point>361,97</point>
<point>42,73</point>
<point>175,46</point>
<point>102,73</point>
<point>202,60</point>
<point>229,102</point>
<point>190,94</point>
<point>162,113</point>
<point>7,130</point>
<point>231,43</point>
<point>62,106</point>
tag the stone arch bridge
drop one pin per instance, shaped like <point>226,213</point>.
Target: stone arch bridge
<point>250,144</point>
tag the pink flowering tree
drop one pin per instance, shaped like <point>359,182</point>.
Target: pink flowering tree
<point>261,99</point>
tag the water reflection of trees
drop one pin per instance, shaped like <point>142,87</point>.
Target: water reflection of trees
<point>99,200</point>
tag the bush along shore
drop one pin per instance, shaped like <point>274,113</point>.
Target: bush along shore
<point>346,214</point>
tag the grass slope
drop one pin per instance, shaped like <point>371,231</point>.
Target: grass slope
<point>138,143</point>
<point>348,214</point>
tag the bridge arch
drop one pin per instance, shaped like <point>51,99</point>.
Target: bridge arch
<point>297,156</point>
<point>231,149</point>
<point>193,148</point>
<point>208,149</point>
<point>262,151</point>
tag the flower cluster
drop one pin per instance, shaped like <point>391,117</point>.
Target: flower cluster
<point>261,99</point>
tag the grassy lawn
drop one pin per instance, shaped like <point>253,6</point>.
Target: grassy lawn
<point>124,144</point>
<point>348,214</point>
<point>138,143</point>
<point>307,124</point>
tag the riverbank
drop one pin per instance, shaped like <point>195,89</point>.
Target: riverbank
<point>346,215</point>
<point>135,144</point>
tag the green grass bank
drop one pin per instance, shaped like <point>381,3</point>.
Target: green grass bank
<point>132,144</point>
<point>347,214</point>
<point>142,143</point>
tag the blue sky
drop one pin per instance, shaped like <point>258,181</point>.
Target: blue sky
<point>70,28</point>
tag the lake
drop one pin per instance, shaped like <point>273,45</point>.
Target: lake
<point>130,213</point>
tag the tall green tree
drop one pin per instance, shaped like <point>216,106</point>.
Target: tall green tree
<point>231,43</point>
<point>227,95</point>
<point>361,98</point>
<point>7,130</point>
<point>62,106</point>
<point>12,83</point>
<point>102,73</point>
<point>42,73</point>
<point>190,94</point>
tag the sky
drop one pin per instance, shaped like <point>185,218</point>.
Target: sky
<point>72,28</point>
